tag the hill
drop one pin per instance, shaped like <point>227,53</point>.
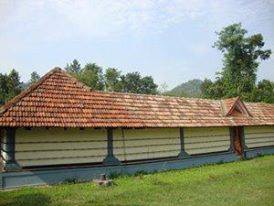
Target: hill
<point>191,88</point>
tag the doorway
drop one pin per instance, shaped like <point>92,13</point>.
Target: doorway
<point>236,140</point>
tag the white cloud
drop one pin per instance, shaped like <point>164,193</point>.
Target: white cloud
<point>251,13</point>
<point>105,19</point>
<point>58,19</point>
<point>25,25</point>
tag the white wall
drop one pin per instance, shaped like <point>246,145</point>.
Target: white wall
<point>146,143</point>
<point>40,146</point>
<point>259,136</point>
<point>59,146</point>
<point>51,145</point>
<point>206,139</point>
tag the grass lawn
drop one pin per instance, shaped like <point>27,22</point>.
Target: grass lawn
<point>240,183</point>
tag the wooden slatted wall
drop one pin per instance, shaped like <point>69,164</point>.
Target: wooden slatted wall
<point>206,139</point>
<point>136,144</point>
<point>259,136</point>
<point>39,146</point>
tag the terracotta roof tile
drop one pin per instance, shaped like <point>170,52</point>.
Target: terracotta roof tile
<point>59,100</point>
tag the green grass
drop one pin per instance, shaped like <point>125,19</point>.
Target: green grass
<point>240,183</point>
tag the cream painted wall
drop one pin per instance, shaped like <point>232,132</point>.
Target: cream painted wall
<point>206,139</point>
<point>259,136</point>
<point>146,143</point>
<point>59,146</point>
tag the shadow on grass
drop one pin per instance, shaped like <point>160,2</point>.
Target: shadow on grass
<point>34,199</point>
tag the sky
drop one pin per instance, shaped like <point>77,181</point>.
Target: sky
<point>170,40</point>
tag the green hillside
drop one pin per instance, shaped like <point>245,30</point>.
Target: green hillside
<point>191,88</point>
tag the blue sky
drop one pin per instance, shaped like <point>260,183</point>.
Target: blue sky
<point>170,40</point>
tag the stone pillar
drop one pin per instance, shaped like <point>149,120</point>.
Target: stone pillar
<point>110,159</point>
<point>183,154</point>
<point>10,163</point>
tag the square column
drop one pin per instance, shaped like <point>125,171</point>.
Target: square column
<point>10,163</point>
<point>183,154</point>
<point>110,159</point>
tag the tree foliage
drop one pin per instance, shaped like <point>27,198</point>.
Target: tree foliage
<point>14,84</point>
<point>241,57</point>
<point>92,76</point>
<point>10,85</point>
<point>148,86</point>
<point>113,81</point>
<point>133,82</point>
<point>74,67</point>
<point>212,89</point>
<point>264,92</point>
<point>34,77</point>
<point>4,90</point>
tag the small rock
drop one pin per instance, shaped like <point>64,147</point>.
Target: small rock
<point>103,180</point>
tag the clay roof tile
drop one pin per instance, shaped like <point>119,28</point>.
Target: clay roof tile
<point>60,100</point>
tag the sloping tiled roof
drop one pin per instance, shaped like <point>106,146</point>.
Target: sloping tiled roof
<point>59,100</point>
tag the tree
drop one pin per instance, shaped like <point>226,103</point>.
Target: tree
<point>212,90</point>
<point>264,92</point>
<point>34,77</point>
<point>92,76</point>
<point>10,86</point>
<point>4,90</point>
<point>14,84</point>
<point>133,82</point>
<point>207,88</point>
<point>74,67</point>
<point>147,86</point>
<point>113,80</point>
<point>241,56</point>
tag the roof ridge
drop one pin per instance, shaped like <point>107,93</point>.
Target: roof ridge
<point>30,89</point>
<point>153,95</point>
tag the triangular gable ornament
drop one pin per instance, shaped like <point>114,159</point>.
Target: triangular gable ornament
<point>236,108</point>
